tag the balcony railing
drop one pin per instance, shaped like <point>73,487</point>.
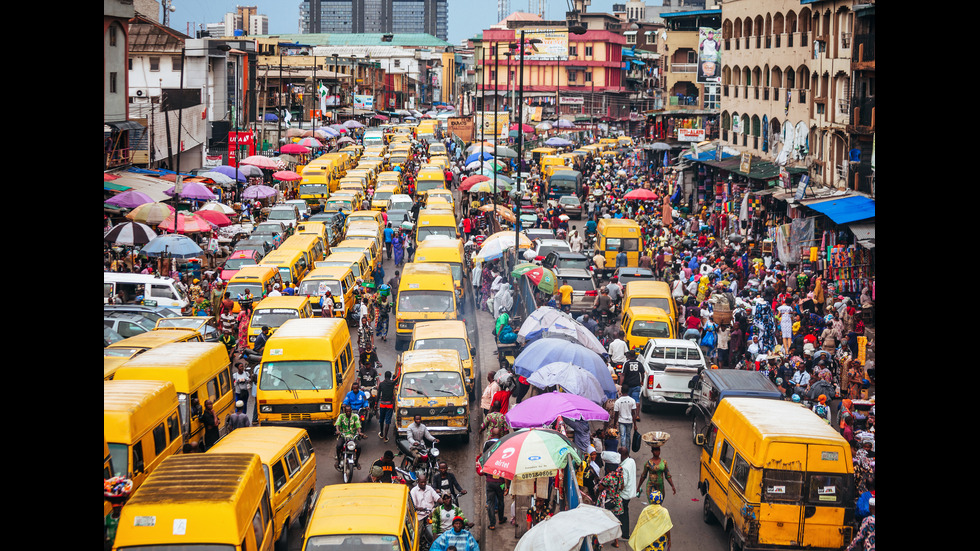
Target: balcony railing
<point>684,68</point>
<point>863,110</point>
<point>864,48</point>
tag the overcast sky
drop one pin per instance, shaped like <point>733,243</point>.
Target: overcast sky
<point>466,17</point>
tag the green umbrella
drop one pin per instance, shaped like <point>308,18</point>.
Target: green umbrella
<point>523,268</point>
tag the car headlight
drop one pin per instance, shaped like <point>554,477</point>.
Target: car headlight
<point>403,325</point>
<point>351,446</point>
<point>266,409</point>
<point>460,411</point>
<point>251,338</point>
<point>326,407</point>
<point>403,412</point>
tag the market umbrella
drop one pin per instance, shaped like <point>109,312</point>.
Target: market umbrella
<point>527,454</point>
<point>503,212</point>
<point>570,378</point>
<point>659,146</point>
<point>294,148</point>
<point>260,161</point>
<point>543,278</point>
<point>345,139</point>
<point>525,242</point>
<point>544,126</point>
<point>523,268</point>
<point>130,233</point>
<point>218,178</point>
<point>193,190</point>
<point>286,176</point>
<point>654,521</point>
<point>543,409</point>
<point>547,350</point>
<point>565,530</point>
<point>640,194</point>
<point>547,322</point>
<point>175,245</point>
<point>492,250</point>
<point>214,217</point>
<point>471,181</point>
<point>339,128</point>
<point>353,124</point>
<point>564,123</point>
<point>258,192</point>
<point>312,141</point>
<point>558,142</point>
<point>271,117</point>
<point>476,157</point>
<point>180,222</point>
<point>218,207</point>
<point>150,213</point>
<point>294,132</point>
<point>130,199</point>
<point>526,128</point>
<point>486,187</point>
<point>502,151</point>
<point>478,146</point>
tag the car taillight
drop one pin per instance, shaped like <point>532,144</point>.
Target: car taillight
<point>591,293</point>
<point>650,382</point>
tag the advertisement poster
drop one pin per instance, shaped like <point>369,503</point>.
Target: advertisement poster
<point>485,119</point>
<point>462,127</point>
<point>237,140</point>
<point>709,56</point>
<point>364,102</point>
<point>690,135</point>
<point>553,45</point>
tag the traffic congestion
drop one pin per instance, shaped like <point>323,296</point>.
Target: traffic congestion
<point>395,339</point>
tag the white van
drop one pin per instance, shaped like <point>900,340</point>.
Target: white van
<point>150,290</point>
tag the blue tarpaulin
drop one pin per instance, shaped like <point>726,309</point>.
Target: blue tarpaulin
<point>846,209</point>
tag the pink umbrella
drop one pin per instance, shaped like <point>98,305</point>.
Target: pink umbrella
<point>527,128</point>
<point>260,161</point>
<point>640,194</point>
<point>294,148</point>
<point>258,192</point>
<point>130,199</point>
<point>180,222</point>
<point>193,190</point>
<point>214,217</point>
<point>286,176</point>
<point>311,142</point>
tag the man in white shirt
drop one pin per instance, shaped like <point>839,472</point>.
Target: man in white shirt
<point>425,499</point>
<point>629,488</point>
<point>617,350</point>
<point>627,416</point>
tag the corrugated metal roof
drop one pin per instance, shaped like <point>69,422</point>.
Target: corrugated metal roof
<point>147,36</point>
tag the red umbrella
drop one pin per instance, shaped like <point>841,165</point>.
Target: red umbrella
<point>180,222</point>
<point>215,217</point>
<point>527,128</point>
<point>471,181</point>
<point>641,194</point>
<point>286,176</point>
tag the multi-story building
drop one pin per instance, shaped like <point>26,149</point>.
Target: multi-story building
<point>115,105</point>
<point>375,16</point>
<point>793,88</point>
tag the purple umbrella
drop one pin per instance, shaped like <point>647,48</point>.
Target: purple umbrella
<point>258,192</point>
<point>230,172</point>
<point>193,190</point>
<point>542,410</point>
<point>130,199</point>
<point>563,123</point>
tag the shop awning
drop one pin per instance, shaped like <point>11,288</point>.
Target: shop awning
<point>846,209</point>
<point>864,233</point>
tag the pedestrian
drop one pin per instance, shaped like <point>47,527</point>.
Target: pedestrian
<point>398,247</point>
<point>389,235</point>
<point>456,538</point>
<point>628,466</point>
<point>238,419</point>
<point>655,472</point>
<point>211,423</point>
<point>242,381</point>
<point>386,405</point>
<point>652,531</point>
<point>628,416</point>
<point>610,495</point>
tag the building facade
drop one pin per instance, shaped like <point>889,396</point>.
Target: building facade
<point>375,16</point>
<point>793,90</point>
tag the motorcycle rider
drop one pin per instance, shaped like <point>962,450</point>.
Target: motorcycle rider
<point>603,307</point>
<point>425,500</point>
<point>368,366</point>
<point>357,398</point>
<point>348,427</point>
<point>255,354</point>
<point>445,482</point>
<point>418,434</point>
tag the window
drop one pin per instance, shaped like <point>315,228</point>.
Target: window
<point>154,63</point>
<point>692,57</point>
<point>159,439</point>
<point>572,51</point>
<point>727,455</point>
<point>177,63</point>
<point>138,458</point>
<point>588,51</point>
<point>258,526</point>
<point>112,35</point>
<point>292,462</point>
<point>588,76</point>
<point>782,486</point>
<point>305,448</point>
<point>174,427</point>
<point>740,474</point>
<point>828,490</point>
<point>112,83</point>
<point>213,389</point>
<point>224,380</point>
<point>278,476</point>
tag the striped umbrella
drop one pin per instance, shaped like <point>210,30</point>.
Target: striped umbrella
<point>527,454</point>
<point>130,233</point>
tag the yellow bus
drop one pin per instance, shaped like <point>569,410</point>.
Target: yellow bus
<point>339,280</point>
<point>363,516</point>
<point>200,501</point>
<point>272,312</point>
<point>199,371</point>
<point>292,264</point>
<point>426,292</point>
<point>307,369</point>
<point>122,351</point>
<point>289,463</point>
<point>615,234</point>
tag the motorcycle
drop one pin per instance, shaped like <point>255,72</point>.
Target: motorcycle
<point>348,458</point>
<point>426,461</point>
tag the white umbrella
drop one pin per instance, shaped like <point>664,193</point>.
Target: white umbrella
<point>547,322</point>
<point>565,530</point>
<point>571,378</point>
<point>219,207</point>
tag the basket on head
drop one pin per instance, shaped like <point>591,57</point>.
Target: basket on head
<point>656,438</point>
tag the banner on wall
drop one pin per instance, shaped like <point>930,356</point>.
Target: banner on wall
<point>462,127</point>
<point>363,102</point>
<point>690,135</point>
<point>485,120</point>
<point>553,45</point>
<point>709,56</point>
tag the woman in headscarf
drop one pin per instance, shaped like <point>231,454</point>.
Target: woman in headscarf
<point>612,486</point>
<point>486,280</point>
<point>398,248</point>
<point>652,531</point>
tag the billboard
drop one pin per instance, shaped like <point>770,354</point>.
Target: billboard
<point>690,135</point>
<point>485,119</point>
<point>462,127</point>
<point>363,102</point>
<point>553,45</point>
<point>709,56</point>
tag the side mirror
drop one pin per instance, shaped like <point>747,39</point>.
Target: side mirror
<point>699,440</point>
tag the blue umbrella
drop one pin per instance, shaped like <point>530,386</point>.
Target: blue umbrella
<point>476,157</point>
<point>549,350</point>
<point>171,244</point>
<point>557,142</point>
<point>271,117</point>
<point>571,378</point>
